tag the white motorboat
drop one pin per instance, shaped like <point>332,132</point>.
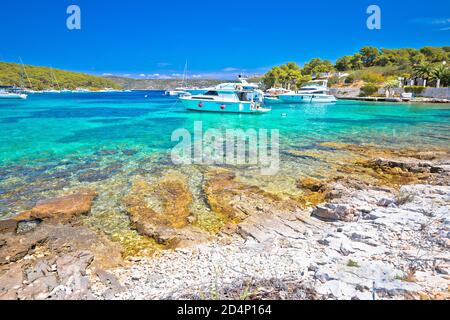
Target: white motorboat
<point>275,92</point>
<point>228,98</point>
<point>177,92</point>
<point>312,92</point>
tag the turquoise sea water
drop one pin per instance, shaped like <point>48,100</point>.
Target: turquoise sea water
<point>53,138</point>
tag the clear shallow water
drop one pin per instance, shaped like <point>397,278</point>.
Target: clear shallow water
<point>51,139</point>
<point>54,126</point>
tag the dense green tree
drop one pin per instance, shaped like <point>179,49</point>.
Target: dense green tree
<point>368,55</point>
<point>344,63</point>
<point>286,76</point>
<point>357,63</point>
<point>434,54</point>
<point>317,66</point>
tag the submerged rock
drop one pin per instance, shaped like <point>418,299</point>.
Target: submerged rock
<point>129,152</point>
<point>235,201</point>
<point>162,210</point>
<point>107,152</point>
<point>311,184</point>
<point>94,175</point>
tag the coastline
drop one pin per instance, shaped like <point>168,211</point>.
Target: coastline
<point>397,100</point>
<point>376,228</point>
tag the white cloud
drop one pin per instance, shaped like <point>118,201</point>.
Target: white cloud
<point>163,64</point>
<point>230,69</point>
<point>142,75</point>
<point>441,21</point>
<point>107,74</point>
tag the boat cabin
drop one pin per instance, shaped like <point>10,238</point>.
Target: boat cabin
<point>229,95</point>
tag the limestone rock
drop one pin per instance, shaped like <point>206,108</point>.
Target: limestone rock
<point>61,209</point>
<point>8,226</point>
<point>16,247</point>
<point>10,282</point>
<point>334,212</point>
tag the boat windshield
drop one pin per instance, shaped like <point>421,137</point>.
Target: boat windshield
<point>314,84</point>
<point>211,93</point>
<point>245,96</point>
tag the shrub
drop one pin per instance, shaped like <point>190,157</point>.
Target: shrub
<point>369,89</point>
<point>417,90</point>
<point>350,79</point>
<point>333,80</point>
<point>373,77</point>
<point>353,264</point>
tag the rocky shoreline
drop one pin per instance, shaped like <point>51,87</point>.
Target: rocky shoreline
<point>376,228</point>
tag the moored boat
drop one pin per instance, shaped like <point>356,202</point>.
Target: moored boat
<point>12,93</point>
<point>227,98</point>
<point>312,92</point>
<point>177,92</point>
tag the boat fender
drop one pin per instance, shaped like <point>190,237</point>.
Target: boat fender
<point>222,107</point>
<point>200,105</point>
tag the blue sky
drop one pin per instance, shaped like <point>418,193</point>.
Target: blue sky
<point>218,38</point>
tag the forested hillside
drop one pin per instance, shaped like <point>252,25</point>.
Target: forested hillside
<point>40,78</point>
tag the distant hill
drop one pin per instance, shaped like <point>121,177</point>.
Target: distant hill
<point>159,84</point>
<point>42,78</point>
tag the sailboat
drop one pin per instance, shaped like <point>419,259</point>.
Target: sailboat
<point>13,92</point>
<point>180,91</point>
<point>55,81</point>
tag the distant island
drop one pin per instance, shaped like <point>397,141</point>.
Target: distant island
<point>159,84</point>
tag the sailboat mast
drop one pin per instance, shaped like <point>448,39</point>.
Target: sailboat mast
<point>185,75</point>
<point>25,71</point>
<point>54,79</point>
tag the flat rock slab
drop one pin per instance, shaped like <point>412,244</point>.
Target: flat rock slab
<point>61,209</point>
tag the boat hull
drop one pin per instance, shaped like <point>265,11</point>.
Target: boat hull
<point>296,98</point>
<point>222,107</point>
<point>175,93</point>
<point>13,96</point>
